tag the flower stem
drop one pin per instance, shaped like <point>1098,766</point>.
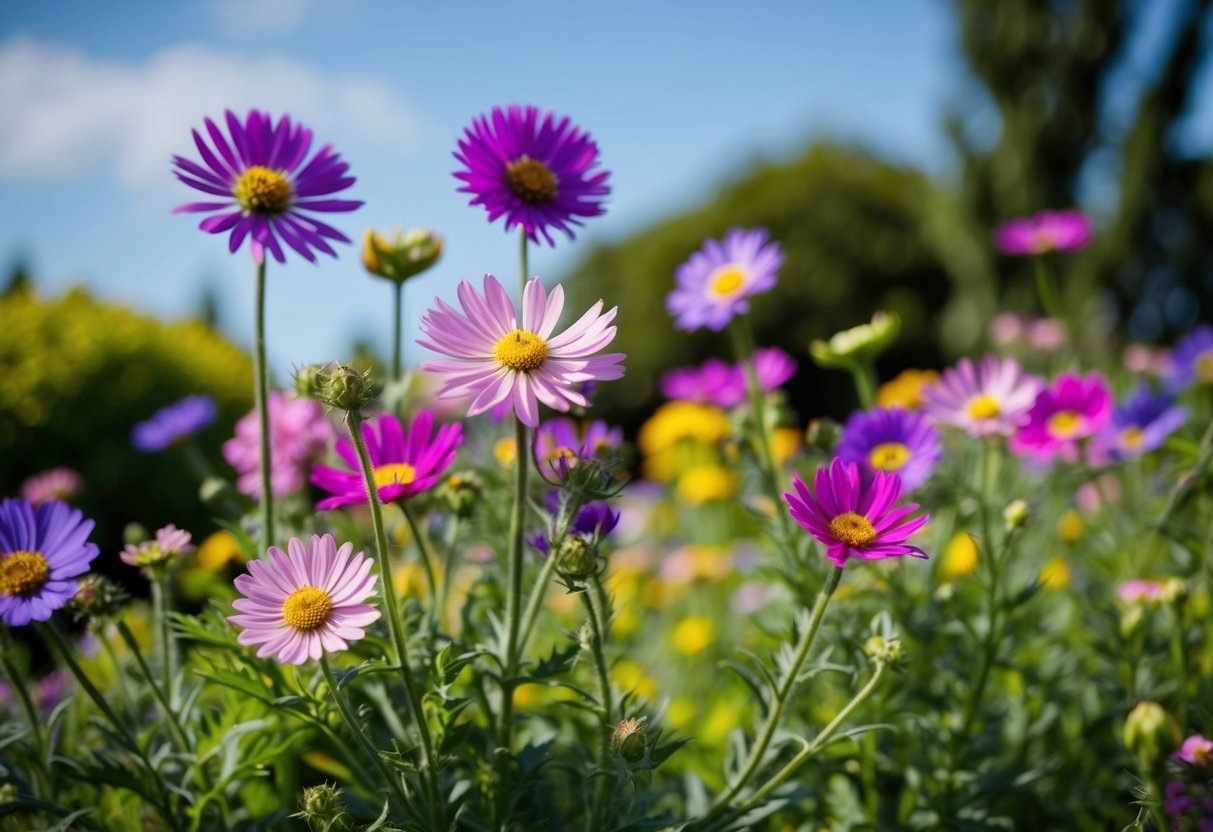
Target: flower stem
<point>523,268</point>
<point>161,694</point>
<point>261,401</point>
<point>864,376</point>
<point>1046,290</point>
<point>164,635</point>
<point>598,621</point>
<point>397,308</point>
<point>784,690</point>
<point>21,688</point>
<point>540,590</point>
<point>395,628</point>
<point>426,559</point>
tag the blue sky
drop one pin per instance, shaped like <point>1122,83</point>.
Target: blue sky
<point>679,97</point>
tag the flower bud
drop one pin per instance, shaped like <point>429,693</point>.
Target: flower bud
<point>823,434</point>
<point>323,808</point>
<point>859,345</point>
<point>1015,516</point>
<point>1150,732</point>
<point>134,534</point>
<point>882,650</point>
<point>97,598</point>
<point>576,558</point>
<point>461,492</point>
<point>336,385</point>
<point>1131,620</point>
<point>406,254</point>
<point>1174,591</point>
<point>630,740</point>
<point>1070,527</point>
<point>310,378</point>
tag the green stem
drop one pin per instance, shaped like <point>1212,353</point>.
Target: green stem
<point>598,625</point>
<point>448,568</point>
<point>397,323</point>
<point>426,559</point>
<point>164,635</point>
<point>352,725</point>
<point>21,689</point>
<point>864,376</point>
<point>176,729</point>
<point>523,268</point>
<point>784,690</point>
<point>1046,290</point>
<point>989,644</point>
<point>395,628</point>
<point>261,402</point>
<point>540,590</point>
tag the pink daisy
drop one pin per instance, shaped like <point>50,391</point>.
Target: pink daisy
<point>55,484</point>
<point>403,466</point>
<point>305,602</point>
<point>299,434</point>
<point>494,360</point>
<point>1196,751</point>
<point>854,520</point>
<point>993,397</point>
<point>1074,409</point>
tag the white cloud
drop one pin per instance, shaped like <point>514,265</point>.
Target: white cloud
<point>68,115</point>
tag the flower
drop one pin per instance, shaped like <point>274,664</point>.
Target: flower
<point>170,542</point>
<point>43,550</point>
<point>724,385</point>
<point>959,558</point>
<point>495,360</point>
<point>1073,409</point>
<point>891,440</point>
<point>993,397</point>
<point>174,422</point>
<point>858,345</point>
<point>562,442</point>
<point>405,255</point>
<point>266,185</point>
<point>1140,425</point>
<point>1139,590</point>
<point>217,550</point>
<point>715,284</point>
<point>538,173</point>
<point>1042,233</point>
<point>1192,360</point>
<point>299,434</point>
<point>403,466</point>
<point>306,601</point>
<point>1196,750</point>
<point>693,634</point>
<point>906,390</point>
<point>853,518</point>
<point>55,484</point>
<point>592,523</point>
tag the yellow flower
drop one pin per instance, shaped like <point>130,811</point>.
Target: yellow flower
<point>505,451</point>
<point>959,558</point>
<point>719,723</point>
<point>409,579</point>
<point>693,634</point>
<point>1070,527</point>
<point>630,676</point>
<point>1055,574</point>
<point>217,551</point>
<point>785,442</point>
<point>626,622</point>
<point>681,712</point>
<point>707,483</point>
<point>905,391</point>
<point>674,422</point>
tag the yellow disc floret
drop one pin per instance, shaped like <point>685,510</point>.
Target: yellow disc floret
<point>521,351</point>
<point>307,608</point>
<point>396,473</point>
<point>531,181</point>
<point>1064,424</point>
<point>983,407</point>
<point>889,456</point>
<point>853,529</point>
<point>260,190</point>
<point>23,573</point>
<point>726,280</point>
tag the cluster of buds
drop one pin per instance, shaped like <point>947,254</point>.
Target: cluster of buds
<point>338,386</point>
<point>406,254</point>
<point>97,598</point>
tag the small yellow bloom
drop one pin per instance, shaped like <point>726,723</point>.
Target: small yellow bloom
<point>959,558</point>
<point>785,442</point>
<point>719,723</point>
<point>217,551</point>
<point>693,634</point>
<point>1055,574</point>
<point>625,623</point>
<point>409,579</point>
<point>680,712</point>
<point>674,422</point>
<point>505,451</point>
<point>630,676</point>
<point>905,391</point>
<point>707,483</point>
<point>1070,527</point>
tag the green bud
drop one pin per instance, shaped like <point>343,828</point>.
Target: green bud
<point>1151,733</point>
<point>461,492</point>
<point>323,808</point>
<point>630,740</point>
<point>823,434</point>
<point>134,534</point>
<point>310,379</point>
<point>336,385</point>
<point>406,254</point>
<point>576,558</point>
<point>1174,591</point>
<point>1130,620</point>
<point>1015,515</point>
<point>859,345</point>
<point>882,650</point>
<point>8,793</point>
<point>97,598</point>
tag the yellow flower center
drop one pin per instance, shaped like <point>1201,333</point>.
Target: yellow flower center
<point>1204,367</point>
<point>1064,424</point>
<point>889,456</point>
<point>397,473</point>
<point>852,529</point>
<point>521,351</point>
<point>1132,437</point>
<point>307,608</point>
<point>531,181</point>
<point>983,407</point>
<point>260,190</point>
<point>23,573</point>
<point>726,280</point>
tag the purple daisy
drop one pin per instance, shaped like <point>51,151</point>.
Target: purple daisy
<point>852,518</point>
<point>537,171</point>
<point>403,465</point>
<point>594,521</point>
<point>174,422</point>
<point>1139,426</point>
<point>1075,408</point>
<point>495,360</point>
<point>42,552</point>
<point>724,385</point>
<point>266,185</point>
<point>714,285</point>
<point>991,398</point>
<point>893,441</point>
<point>1192,360</point>
<point>305,602</point>
<point>55,484</point>
<point>1042,233</point>
<point>562,442</point>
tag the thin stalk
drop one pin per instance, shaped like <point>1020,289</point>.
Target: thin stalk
<point>989,645</point>
<point>523,268</point>
<point>352,725</point>
<point>598,626</point>
<point>1046,290</point>
<point>540,590</point>
<point>164,635</point>
<point>448,568</point>
<point>426,559</point>
<point>864,377</point>
<point>397,324</point>
<point>113,660</point>
<point>176,729</point>
<point>21,689</point>
<point>784,690</point>
<point>416,711</point>
<point>261,402</point>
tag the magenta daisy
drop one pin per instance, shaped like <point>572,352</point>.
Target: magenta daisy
<point>993,397</point>
<point>1074,409</point>
<point>854,519</point>
<point>1042,233</point>
<point>494,360</point>
<point>266,186</point>
<point>305,602</point>
<point>538,172</point>
<point>714,285</point>
<point>403,465</point>
<point>43,551</point>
